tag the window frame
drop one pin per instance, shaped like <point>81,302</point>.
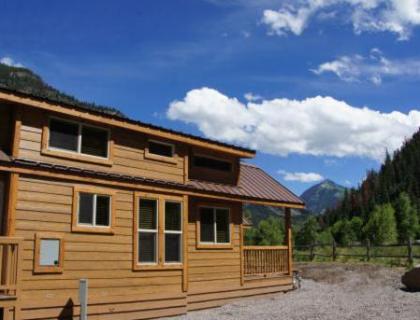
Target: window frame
<point>202,155</point>
<point>178,232</point>
<point>215,244</point>
<point>153,231</point>
<point>92,228</point>
<point>38,268</point>
<point>76,155</point>
<point>153,156</point>
<point>160,253</point>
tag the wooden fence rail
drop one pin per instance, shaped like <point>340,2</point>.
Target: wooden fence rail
<point>368,254</point>
<point>265,260</point>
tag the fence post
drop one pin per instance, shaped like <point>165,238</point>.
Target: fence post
<point>410,252</point>
<point>368,249</point>
<point>334,250</point>
<point>312,254</point>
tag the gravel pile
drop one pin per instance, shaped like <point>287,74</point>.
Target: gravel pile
<point>329,291</point>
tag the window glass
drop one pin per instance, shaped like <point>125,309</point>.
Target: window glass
<point>173,216</point>
<point>49,252</point>
<point>86,202</point>
<point>172,247</point>
<point>147,247</point>
<point>64,135</point>
<point>210,163</point>
<point>206,225</point>
<point>160,149</point>
<point>148,214</point>
<point>222,225</point>
<point>94,142</point>
<point>102,210</point>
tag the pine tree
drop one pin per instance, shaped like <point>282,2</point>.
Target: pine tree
<point>382,227</point>
<point>407,219</point>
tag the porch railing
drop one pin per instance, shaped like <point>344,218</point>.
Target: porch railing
<point>265,260</point>
<point>10,264</point>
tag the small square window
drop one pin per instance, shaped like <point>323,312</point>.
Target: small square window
<point>214,225</point>
<point>49,253</point>
<point>92,210</point>
<point>161,149</point>
<point>64,135</point>
<point>94,142</point>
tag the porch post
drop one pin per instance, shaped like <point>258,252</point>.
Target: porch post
<point>288,230</point>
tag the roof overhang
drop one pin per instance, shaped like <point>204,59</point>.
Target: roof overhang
<point>101,118</point>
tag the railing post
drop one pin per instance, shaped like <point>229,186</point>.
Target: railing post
<point>288,225</point>
<point>368,249</point>
<point>83,298</point>
<point>334,250</point>
<point>410,251</point>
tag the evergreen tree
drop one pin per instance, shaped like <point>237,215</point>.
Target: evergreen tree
<point>308,234</point>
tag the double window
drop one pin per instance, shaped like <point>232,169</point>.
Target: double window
<point>78,138</point>
<point>214,225</point>
<point>93,210</point>
<point>159,228</point>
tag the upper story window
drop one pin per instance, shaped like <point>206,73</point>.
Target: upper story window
<point>212,163</point>
<point>79,138</point>
<point>161,149</point>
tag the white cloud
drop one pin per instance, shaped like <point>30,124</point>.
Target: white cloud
<point>396,16</point>
<point>319,126</point>
<point>370,68</point>
<point>304,177</point>
<point>10,62</point>
<point>249,96</point>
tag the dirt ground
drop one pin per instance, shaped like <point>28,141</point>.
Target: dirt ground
<point>330,292</point>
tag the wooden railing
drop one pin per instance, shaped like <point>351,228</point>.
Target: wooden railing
<point>10,264</point>
<point>265,260</point>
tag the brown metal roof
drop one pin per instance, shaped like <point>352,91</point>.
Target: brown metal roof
<point>254,183</point>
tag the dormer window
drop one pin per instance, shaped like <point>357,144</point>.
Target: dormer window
<point>212,163</point>
<point>158,150</point>
<point>79,138</point>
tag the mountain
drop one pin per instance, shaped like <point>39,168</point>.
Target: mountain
<point>322,196</point>
<point>26,81</point>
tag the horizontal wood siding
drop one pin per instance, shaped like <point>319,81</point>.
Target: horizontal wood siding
<point>5,127</point>
<point>106,260</point>
<point>128,152</point>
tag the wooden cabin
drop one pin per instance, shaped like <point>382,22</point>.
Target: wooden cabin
<point>151,217</point>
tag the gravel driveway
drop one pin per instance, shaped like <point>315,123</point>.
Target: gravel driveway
<point>329,291</point>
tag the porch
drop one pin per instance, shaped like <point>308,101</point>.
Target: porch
<point>264,262</point>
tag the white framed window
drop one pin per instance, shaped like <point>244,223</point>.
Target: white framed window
<point>75,137</point>
<point>214,225</point>
<point>159,148</point>
<point>94,210</point>
<point>147,230</point>
<point>173,232</point>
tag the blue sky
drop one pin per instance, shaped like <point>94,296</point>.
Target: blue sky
<point>145,57</point>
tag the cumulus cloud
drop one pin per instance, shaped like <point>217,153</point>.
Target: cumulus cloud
<point>319,126</point>
<point>369,68</point>
<point>249,96</point>
<point>304,177</point>
<point>10,62</point>
<point>396,16</point>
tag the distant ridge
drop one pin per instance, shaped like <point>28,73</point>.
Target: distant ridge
<point>322,196</point>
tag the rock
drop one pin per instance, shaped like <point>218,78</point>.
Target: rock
<point>411,279</point>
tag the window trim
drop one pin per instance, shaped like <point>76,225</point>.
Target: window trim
<point>202,155</point>
<point>213,245</point>
<point>46,149</point>
<point>86,228</point>
<point>38,269</point>
<point>153,156</point>
<point>160,253</point>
